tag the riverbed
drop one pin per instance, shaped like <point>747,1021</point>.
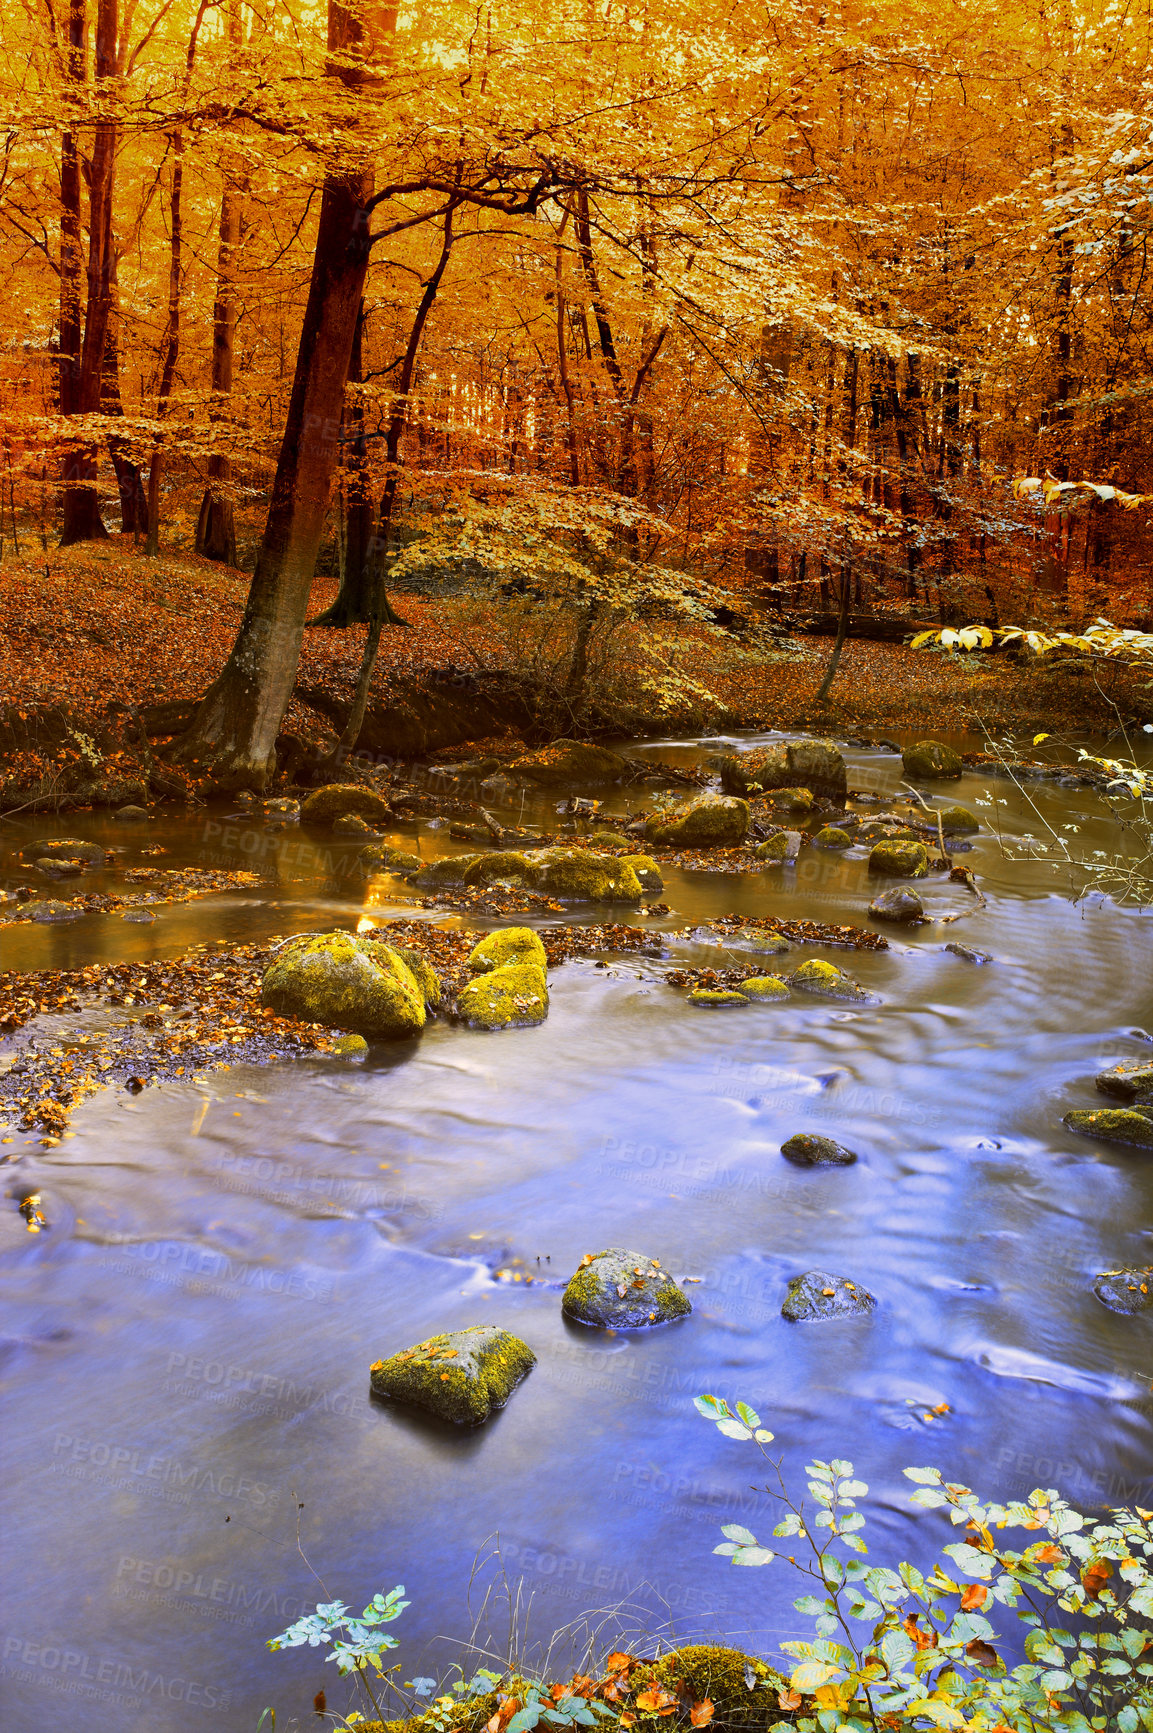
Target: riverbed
<point>193,1457</point>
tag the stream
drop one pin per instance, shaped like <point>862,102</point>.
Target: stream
<point>193,1458</point>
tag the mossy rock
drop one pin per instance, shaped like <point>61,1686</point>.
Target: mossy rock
<point>707,1671</point>
<point>897,905</point>
<point>450,869</point>
<point>958,821</point>
<point>1127,1291</point>
<point>578,875</point>
<point>762,941</point>
<point>60,869</point>
<point>383,858</point>
<point>930,761</point>
<point>514,996</point>
<point>491,869</point>
<point>764,989</point>
<point>715,998</point>
<point>798,800</point>
<point>346,982</point>
<point>809,764</point>
<point>67,848</point>
<point>783,846</point>
<point>808,1150</point>
<point>650,1296</point>
<point>1114,1125</point>
<point>507,945</point>
<point>570,761</point>
<point>462,1375</point>
<point>424,974</point>
<point>325,805</point>
<point>826,980</point>
<point>899,860</point>
<point>817,1296</point>
<point>350,1047</point>
<point>832,836</point>
<point>351,824</point>
<point>711,821</point>
<point>1131,1080</point>
<point>648,872</point>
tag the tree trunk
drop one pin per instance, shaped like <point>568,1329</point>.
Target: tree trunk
<point>171,346</point>
<point>839,641</point>
<point>354,600</point>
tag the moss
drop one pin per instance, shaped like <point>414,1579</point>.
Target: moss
<point>351,824</point>
<point>763,989</point>
<point>346,982</point>
<point>900,860</point>
<point>487,869</point>
<point>339,798</point>
<point>716,997</point>
<point>711,821</point>
<point>784,845</point>
<point>65,848</point>
<point>930,761</point>
<point>707,1670</point>
<point>351,1046</point>
<point>831,836</point>
<point>808,1150</point>
<point>514,996</point>
<point>817,1296</point>
<point>1113,1124</point>
<point>650,1295</point>
<point>792,800</point>
<point>448,870</point>
<point>958,821</point>
<point>383,858</point>
<point>579,875</point>
<point>506,945</point>
<point>1131,1080</point>
<point>647,871</point>
<point>808,764</point>
<point>570,761</point>
<point>462,1375</point>
<point>817,976</point>
<point>424,974</point>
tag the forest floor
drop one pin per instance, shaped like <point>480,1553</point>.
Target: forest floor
<point>101,624</point>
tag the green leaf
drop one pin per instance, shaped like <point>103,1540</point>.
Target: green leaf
<point>712,1407</point>
<point>923,1476</point>
<point>734,1531</point>
<point>733,1429</point>
<point>753,1555</point>
<point>748,1415</point>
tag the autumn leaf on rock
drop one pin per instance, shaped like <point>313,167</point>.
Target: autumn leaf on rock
<point>701,1713</point>
<point>657,1701</point>
<point>789,1699</point>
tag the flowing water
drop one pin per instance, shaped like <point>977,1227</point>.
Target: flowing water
<point>191,1448</point>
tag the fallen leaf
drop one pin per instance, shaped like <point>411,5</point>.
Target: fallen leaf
<point>701,1713</point>
<point>789,1699</point>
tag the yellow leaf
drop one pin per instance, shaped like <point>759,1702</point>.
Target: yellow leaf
<point>810,1675</point>
<point>1037,739</point>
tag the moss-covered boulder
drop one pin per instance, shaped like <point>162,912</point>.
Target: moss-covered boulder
<point>507,945</point>
<point>764,989</point>
<point>513,996</point>
<point>899,860</point>
<point>710,821</point>
<point>796,800</point>
<point>715,998</point>
<point>959,821</point>
<point>423,973</point>
<point>501,866</point>
<point>350,1047</point>
<point>742,1689</point>
<point>622,1290</point>
<point>462,1375</point>
<point>930,761</point>
<point>1131,1080</point>
<point>898,904</point>
<point>648,872</point>
<point>815,765</point>
<point>783,846</point>
<point>384,858</point>
<point>1114,1125</point>
<point>336,799</point>
<point>351,824</point>
<point>1125,1290</point>
<point>832,836</point>
<point>817,1296</point>
<point>347,982</point>
<point>450,869</point>
<point>826,981</point>
<point>577,875</point>
<point>68,848</point>
<point>567,761</point>
<point>762,941</point>
<point>808,1150</point>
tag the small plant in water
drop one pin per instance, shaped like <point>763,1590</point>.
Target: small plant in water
<point>357,1644</point>
<point>927,1656</point>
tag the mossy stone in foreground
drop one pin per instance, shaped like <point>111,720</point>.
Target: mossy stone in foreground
<point>930,761</point>
<point>708,1671</point>
<point>462,1375</point>
<point>423,972</point>
<point>506,945</point>
<point>783,845</point>
<point>347,982</point>
<point>1125,1290</point>
<point>648,872</point>
<point>817,1296</point>
<point>900,860</point>
<point>825,979</point>
<point>832,836</point>
<point>1131,1080</point>
<point>351,1047</point>
<point>764,989</point>
<point>809,1150</point>
<point>326,804</point>
<point>621,1290</point>
<point>716,998</point>
<point>1113,1124</point>
<point>515,996</point>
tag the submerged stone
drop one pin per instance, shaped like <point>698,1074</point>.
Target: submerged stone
<point>930,761</point>
<point>825,979</point>
<point>352,824</point>
<point>1131,1080</point>
<point>809,1150</point>
<point>897,905</point>
<point>59,869</point>
<point>48,912</point>
<point>1125,1290</point>
<point>623,1290</point>
<point>900,860</point>
<point>1113,1124</point>
<point>968,953</point>
<point>130,814</point>
<point>506,945</point>
<point>817,1296</point>
<point>462,1375</point>
<point>347,982</point>
<point>513,996</point>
